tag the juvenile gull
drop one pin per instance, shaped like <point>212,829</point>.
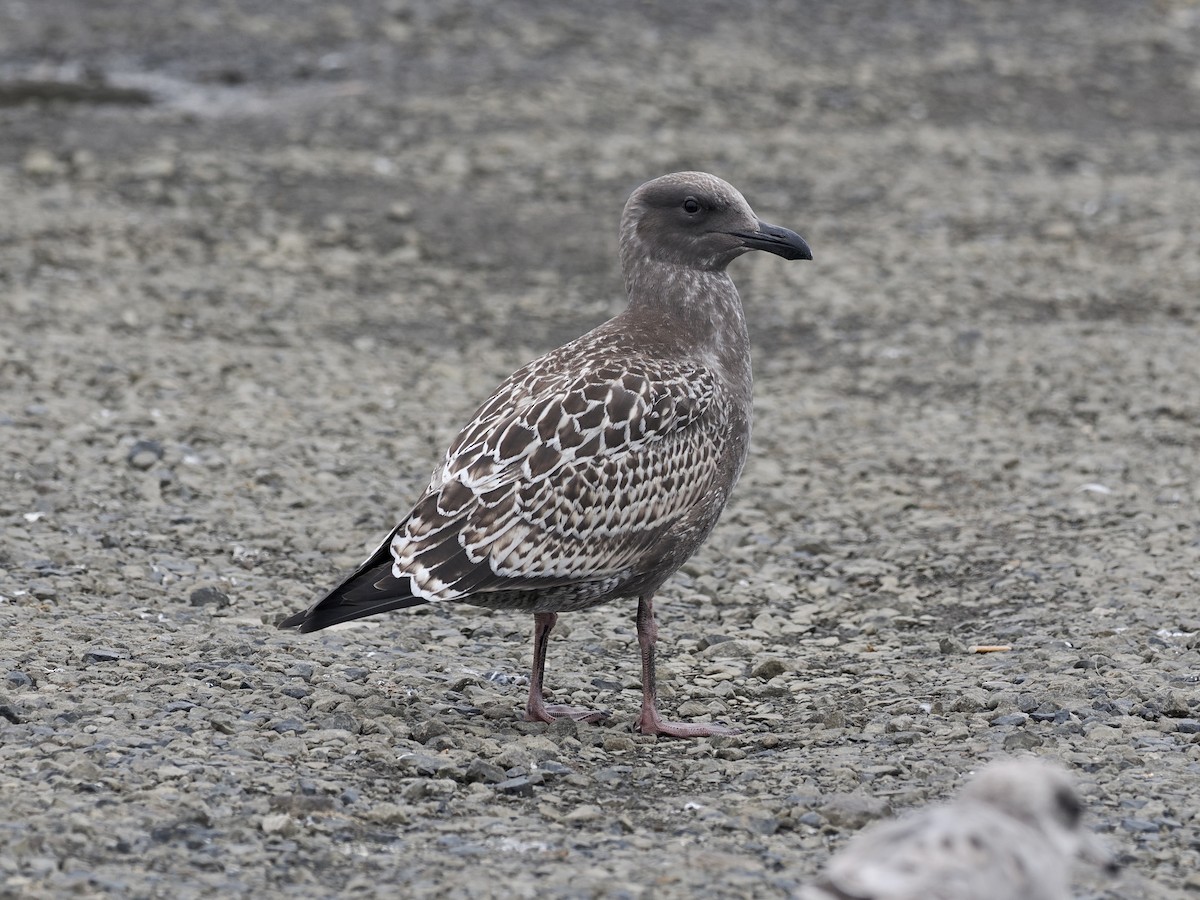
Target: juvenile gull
<point>595,471</point>
<point>1011,834</point>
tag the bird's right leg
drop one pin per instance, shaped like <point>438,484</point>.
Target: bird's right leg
<point>536,709</point>
<point>650,722</point>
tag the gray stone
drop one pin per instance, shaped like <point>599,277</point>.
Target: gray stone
<point>1011,719</point>
<point>144,454</point>
<point>850,812</point>
<point>1021,740</point>
<point>521,786</point>
<point>101,655</point>
<point>209,596</point>
<point>482,770</point>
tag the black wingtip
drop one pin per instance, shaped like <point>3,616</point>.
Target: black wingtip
<point>293,620</point>
<point>339,611</point>
<point>369,590</point>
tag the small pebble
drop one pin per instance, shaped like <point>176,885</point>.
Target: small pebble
<point>101,655</point>
<point>482,770</point>
<point>521,786</point>
<point>281,824</point>
<point>583,814</point>
<point>769,668</point>
<point>209,596</point>
<point>144,454</point>
<point>1008,719</point>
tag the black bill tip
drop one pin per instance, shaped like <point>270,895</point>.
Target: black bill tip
<point>774,239</point>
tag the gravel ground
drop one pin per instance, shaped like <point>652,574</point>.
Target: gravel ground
<point>258,263</point>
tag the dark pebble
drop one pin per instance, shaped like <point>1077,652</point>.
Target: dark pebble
<point>144,454</point>
<point>101,654</point>
<point>850,812</point>
<point>1021,740</point>
<point>563,727</point>
<point>518,787</point>
<point>295,692</point>
<point>440,742</point>
<point>301,670</point>
<point>1139,826</point>
<point>341,721</point>
<point>552,769</point>
<point>1148,711</point>
<point>768,669</point>
<point>17,679</point>
<point>951,646</point>
<point>482,770</point>
<point>209,596</point>
<point>613,774</point>
<point>45,567</point>
<point>175,565</point>
<point>1009,719</point>
<point>1058,717</point>
<point>1175,706</point>
<point>420,764</point>
<point>1188,726</point>
<point>430,728</point>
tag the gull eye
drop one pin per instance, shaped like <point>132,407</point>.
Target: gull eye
<point>691,206</point>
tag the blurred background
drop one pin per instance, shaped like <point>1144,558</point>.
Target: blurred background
<point>260,260</point>
<point>356,147</point>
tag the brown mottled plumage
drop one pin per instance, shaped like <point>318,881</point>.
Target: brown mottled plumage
<point>596,470</point>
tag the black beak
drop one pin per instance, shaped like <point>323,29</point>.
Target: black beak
<point>774,239</point>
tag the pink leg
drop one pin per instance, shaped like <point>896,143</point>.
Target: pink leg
<point>649,722</point>
<point>536,709</point>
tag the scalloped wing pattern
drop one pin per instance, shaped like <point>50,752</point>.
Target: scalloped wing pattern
<point>566,478</point>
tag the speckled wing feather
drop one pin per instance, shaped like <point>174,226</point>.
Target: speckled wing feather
<point>567,476</point>
<point>557,492</point>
